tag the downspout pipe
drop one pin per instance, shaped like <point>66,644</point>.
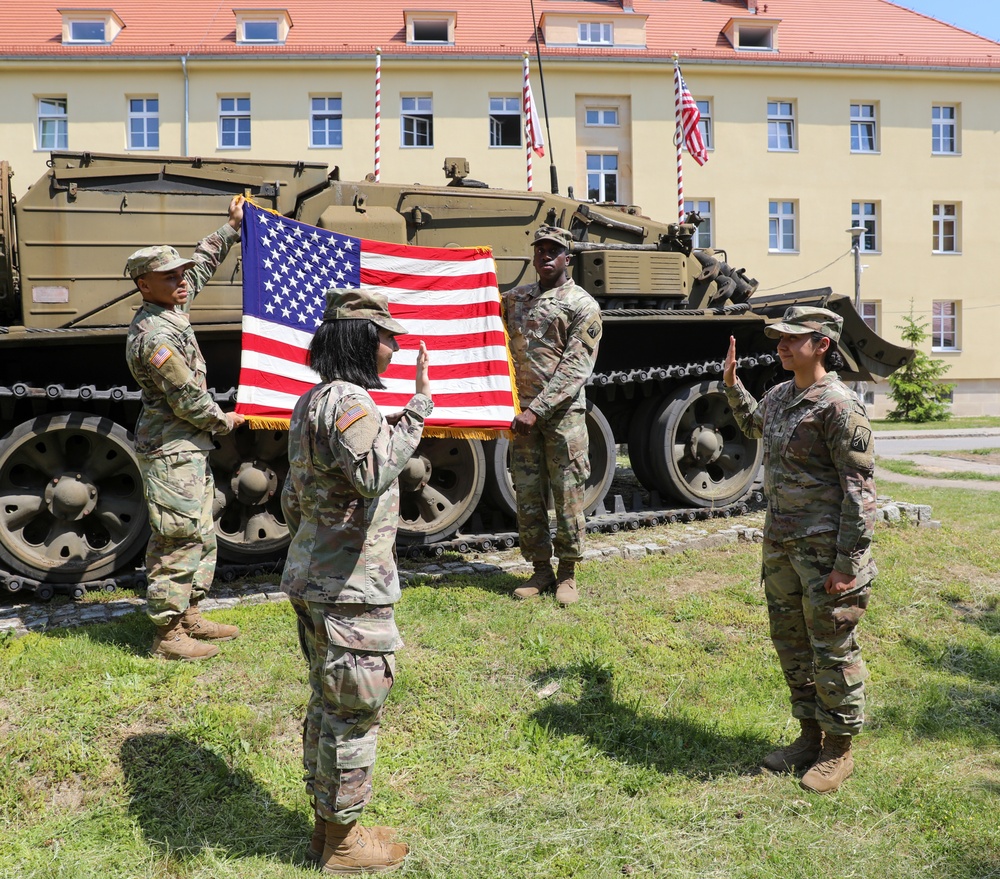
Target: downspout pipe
<point>187,107</point>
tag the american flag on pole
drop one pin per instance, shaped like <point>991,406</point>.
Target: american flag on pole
<point>687,123</point>
<point>447,297</point>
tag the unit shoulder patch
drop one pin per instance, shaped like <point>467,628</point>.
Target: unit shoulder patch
<point>861,439</point>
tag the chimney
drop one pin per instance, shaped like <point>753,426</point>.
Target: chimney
<point>752,6</point>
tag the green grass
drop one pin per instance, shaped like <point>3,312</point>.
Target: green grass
<point>642,763</point>
<point>949,424</point>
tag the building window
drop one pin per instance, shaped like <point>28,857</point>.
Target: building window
<point>865,214</point>
<point>602,117</point>
<point>944,326</point>
<point>430,31</point>
<point>946,228</point>
<point>780,125</point>
<point>944,130</point>
<point>505,122</point>
<point>705,123</point>
<point>234,123</point>
<point>143,124</point>
<point>781,227</point>
<point>596,33</point>
<point>87,31</point>
<point>260,31</point>
<point>437,28</point>
<point>863,129</point>
<point>53,124</point>
<point>90,26</point>
<point>417,122</point>
<point>869,314</point>
<point>326,122</point>
<point>262,26</point>
<point>602,177</point>
<point>703,234</point>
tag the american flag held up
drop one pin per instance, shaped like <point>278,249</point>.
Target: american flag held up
<point>447,297</point>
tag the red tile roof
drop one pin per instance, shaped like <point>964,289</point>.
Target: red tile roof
<point>854,32</point>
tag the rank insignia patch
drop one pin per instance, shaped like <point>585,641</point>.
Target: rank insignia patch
<point>161,356</point>
<point>862,436</point>
<point>353,414</point>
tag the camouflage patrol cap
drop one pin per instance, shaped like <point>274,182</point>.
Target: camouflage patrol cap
<point>799,319</point>
<point>160,258</point>
<point>552,233</point>
<point>361,305</point>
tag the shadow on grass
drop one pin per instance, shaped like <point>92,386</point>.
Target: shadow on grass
<point>133,633</point>
<point>626,733</point>
<point>186,800</point>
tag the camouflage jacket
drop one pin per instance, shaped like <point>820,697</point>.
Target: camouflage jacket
<point>553,339</point>
<point>178,413</point>
<point>341,496</point>
<point>819,462</point>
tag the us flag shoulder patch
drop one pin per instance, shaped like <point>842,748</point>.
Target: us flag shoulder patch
<point>161,356</point>
<point>353,414</point>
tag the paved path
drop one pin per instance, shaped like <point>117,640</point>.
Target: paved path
<point>894,442</point>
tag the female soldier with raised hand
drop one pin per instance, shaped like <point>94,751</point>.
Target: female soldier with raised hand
<point>818,466</point>
<point>341,503</point>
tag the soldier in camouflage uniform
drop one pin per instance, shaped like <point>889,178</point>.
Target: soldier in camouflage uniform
<point>818,568</point>
<point>341,503</point>
<point>554,328</point>
<point>173,438</point>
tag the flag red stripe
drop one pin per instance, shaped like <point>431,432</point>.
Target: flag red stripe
<point>414,251</point>
<point>402,311</point>
<point>283,350</point>
<point>396,280</point>
<point>273,382</point>
<point>440,372</point>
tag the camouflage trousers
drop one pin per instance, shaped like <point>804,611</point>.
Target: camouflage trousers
<point>180,555</point>
<point>554,459</point>
<point>813,633</point>
<point>347,694</point>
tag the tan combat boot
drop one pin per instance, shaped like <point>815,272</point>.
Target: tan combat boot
<point>172,642</point>
<point>196,626</point>
<point>800,754</point>
<point>566,591</point>
<point>542,580</point>
<point>834,766</point>
<point>351,848</point>
<point>318,840</point>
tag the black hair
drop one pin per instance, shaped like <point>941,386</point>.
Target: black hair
<point>346,350</point>
<point>833,361</point>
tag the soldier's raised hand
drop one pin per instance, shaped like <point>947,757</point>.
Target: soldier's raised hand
<point>423,370</point>
<point>729,370</point>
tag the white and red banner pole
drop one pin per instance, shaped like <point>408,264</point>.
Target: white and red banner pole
<point>679,139</point>
<point>528,145</point>
<point>378,114</point>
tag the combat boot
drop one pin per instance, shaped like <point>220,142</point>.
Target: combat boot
<point>834,766</point>
<point>566,591</point>
<point>800,754</point>
<point>196,626</point>
<point>172,642</point>
<point>318,840</point>
<point>351,848</point>
<point>542,580</point>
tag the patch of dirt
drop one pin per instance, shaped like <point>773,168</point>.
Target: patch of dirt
<point>990,456</point>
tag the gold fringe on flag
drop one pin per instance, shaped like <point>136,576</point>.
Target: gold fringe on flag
<point>258,422</point>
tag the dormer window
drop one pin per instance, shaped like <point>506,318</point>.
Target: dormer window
<point>596,33</point>
<point>93,27</point>
<point>753,34</point>
<point>261,27</point>
<point>433,28</point>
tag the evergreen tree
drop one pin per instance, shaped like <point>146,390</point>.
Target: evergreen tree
<point>915,388</point>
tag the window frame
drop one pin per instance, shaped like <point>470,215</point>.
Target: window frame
<point>705,122</point>
<point>858,121</point>
<point>871,240</point>
<point>776,118</point>
<point>601,111</point>
<point>937,138</point>
<point>144,116</point>
<point>604,174</point>
<point>326,114</point>
<point>776,214</point>
<point>870,309</point>
<point>61,131</point>
<point>511,109</point>
<point>606,33</point>
<point>707,228</point>
<point>938,332</point>
<point>237,114</point>
<point>417,116</point>
<point>278,17</point>
<point>940,219</point>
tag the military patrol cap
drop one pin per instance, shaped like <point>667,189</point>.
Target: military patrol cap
<point>552,233</point>
<point>160,258</point>
<point>361,305</point>
<point>799,319</point>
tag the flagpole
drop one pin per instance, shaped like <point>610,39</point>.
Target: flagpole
<point>678,138</point>
<point>528,146</point>
<point>378,112</point>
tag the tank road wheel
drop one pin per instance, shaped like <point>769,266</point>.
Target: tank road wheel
<point>602,451</point>
<point>249,467</point>
<point>71,500</point>
<point>639,429</point>
<point>699,455</point>
<point>440,488</point>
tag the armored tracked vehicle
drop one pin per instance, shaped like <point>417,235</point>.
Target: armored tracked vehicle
<point>71,501</point>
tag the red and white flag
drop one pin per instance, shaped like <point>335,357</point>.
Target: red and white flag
<point>532,127</point>
<point>447,297</point>
<point>688,119</point>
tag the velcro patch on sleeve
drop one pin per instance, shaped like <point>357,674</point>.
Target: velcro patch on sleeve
<point>861,438</point>
<point>353,414</point>
<point>160,356</point>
